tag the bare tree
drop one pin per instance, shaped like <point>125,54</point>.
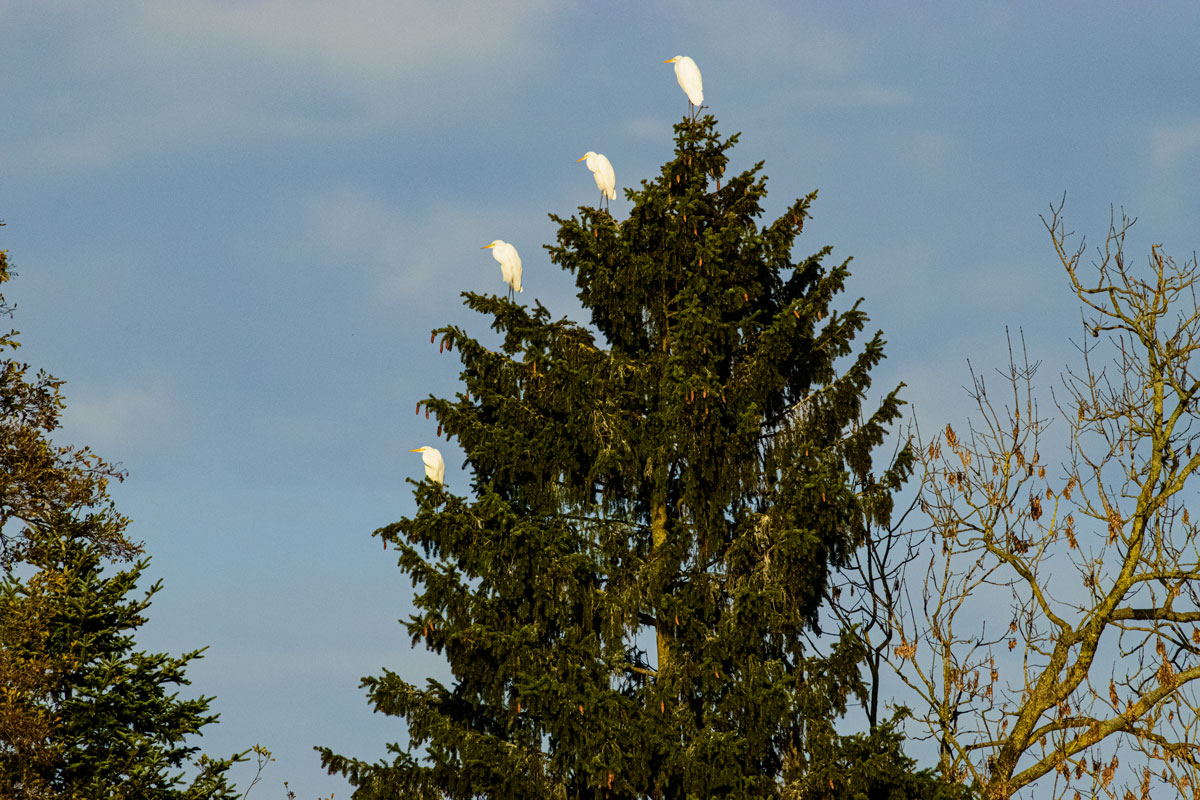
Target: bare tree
<point>1050,626</point>
<point>865,592</point>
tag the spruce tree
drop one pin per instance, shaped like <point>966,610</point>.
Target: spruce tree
<point>628,594</point>
<point>82,713</point>
<point>116,727</point>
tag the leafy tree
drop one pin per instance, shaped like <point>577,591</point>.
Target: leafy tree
<point>1056,643</point>
<point>628,597</point>
<point>82,715</point>
<point>117,730</point>
<point>39,477</point>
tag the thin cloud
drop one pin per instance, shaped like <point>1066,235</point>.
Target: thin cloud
<point>651,129</point>
<point>1164,189</point>
<point>364,38</point>
<point>119,419</point>
<point>174,77</point>
<point>1174,143</point>
<point>855,96</point>
<point>800,44</point>
<point>410,260</point>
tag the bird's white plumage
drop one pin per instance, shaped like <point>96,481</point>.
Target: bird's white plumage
<point>688,75</point>
<point>602,171</point>
<point>510,263</point>
<point>435,465</point>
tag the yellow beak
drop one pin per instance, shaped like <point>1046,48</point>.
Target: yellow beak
<point>416,449</point>
<point>580,159</point>
<point>486,246</point>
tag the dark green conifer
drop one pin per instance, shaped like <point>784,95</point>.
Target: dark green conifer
<point>82,713</point>
<point>117,730</point>
<point>626,595</point>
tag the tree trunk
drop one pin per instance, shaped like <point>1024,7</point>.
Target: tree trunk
<point>658,535</point>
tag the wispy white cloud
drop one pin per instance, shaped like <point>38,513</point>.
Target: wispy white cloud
<point>119,419</point>
<point>862,95</point>
<point>649,129</point>
<point>384,62</point>
<point>407,258</point>
<point>1164,187</point>
<point>798,43</point>
<point>1173,143</point>
<point>355,226</point>
<point>360,38</point>
<point>165,77</point>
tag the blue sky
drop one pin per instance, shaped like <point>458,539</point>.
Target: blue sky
<point>235,224</point>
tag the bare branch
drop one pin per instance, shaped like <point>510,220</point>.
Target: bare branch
<point>1095,558</point>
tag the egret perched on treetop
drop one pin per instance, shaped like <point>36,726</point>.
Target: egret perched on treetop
<point>602,171</point>
<point>510,264</point>
<point>435,466</point>
<point>688,75</point>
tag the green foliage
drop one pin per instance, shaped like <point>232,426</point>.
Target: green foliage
<point>116,729</point>
<point>38,477</point>
<point>626,597</point>
<point>82,714</point>
<point>871,767</point>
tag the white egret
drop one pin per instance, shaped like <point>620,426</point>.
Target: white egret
<point>688,75</point>
<point>435,466</point>
<point>602,171</point>
<point>510,264</point>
